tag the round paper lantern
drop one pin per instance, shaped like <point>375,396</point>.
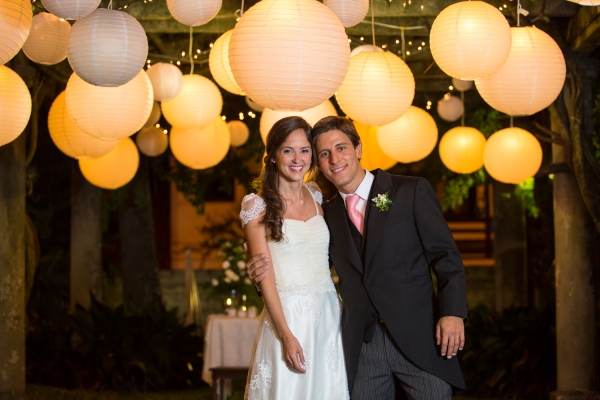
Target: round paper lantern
<point>47,41</point>
<point>15,105</point>
<point>289,54</point>
<point>152,141</point>
<point>69,138</point>
<point>166,80</point>
<point>238,132</point>
<point>530,79</point>
<point>589,3</point>
<point>254,106</point>
<point>198,103</point>
<point>194,13</point>
<point>461,149</point>
<point>410,138</point>
<point>71,9</point>
<point>462,86</point>
<point>201,148</point>
<point>114,169</point>
<point>15,23</point>
<point>470,40</point>
<point>378,88</point>
<point>450,108</point>
<point>512,155</point>
<point>365,47</point>
<point>107,48</point>
<point>372,155</point>
<point>312,116</point>
<point>218,62</point>
<point>350,12</point>
<point>110,112</point>
<point>155,115</point>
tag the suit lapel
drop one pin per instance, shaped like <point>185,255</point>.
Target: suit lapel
<point>376,219</point>
<point>339,228</point>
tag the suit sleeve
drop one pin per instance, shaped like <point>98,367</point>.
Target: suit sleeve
<point>440,251</point>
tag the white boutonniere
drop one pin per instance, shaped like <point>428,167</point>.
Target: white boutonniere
<point>382,201</point>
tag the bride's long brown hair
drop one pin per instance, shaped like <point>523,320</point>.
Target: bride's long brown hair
<point>267,184</point>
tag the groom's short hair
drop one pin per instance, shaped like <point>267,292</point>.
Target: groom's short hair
<point>334,123</point>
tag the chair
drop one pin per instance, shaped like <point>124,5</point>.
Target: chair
<point>219,374</point>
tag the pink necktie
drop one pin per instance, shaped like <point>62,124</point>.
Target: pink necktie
<point>355,216</point>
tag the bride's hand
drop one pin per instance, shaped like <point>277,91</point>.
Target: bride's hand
<point>293,354</point>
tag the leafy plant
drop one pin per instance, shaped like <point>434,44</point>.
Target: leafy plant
<point>525,190</point>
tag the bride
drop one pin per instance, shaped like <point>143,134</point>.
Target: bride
<point>298,349</point>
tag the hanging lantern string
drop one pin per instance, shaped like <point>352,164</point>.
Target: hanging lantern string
<point>110,5</point>
<point>462,117</point>
<point>190,50</point>
<point>511,121</point>
<point>406,28</point>
<point>240,12</point>
<point>373,21</point>
<point>403,43</point>
<point>518,12</point>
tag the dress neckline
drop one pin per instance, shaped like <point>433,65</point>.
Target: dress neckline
<point>299,220</point>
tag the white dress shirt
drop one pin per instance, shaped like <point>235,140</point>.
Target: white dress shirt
<point>362,191</point>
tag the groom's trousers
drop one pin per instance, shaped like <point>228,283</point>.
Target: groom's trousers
<point>381,360</point>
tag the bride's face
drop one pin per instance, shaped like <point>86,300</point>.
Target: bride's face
<point>293,157</point>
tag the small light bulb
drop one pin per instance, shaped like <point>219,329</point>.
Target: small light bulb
<point>384,46</point>
<point>410,43</point>
<point>450,87</point>
<point>198,51</point>
<point>165,131</point>
<point>422,43</point>
<point>157,125</point>
<point>211,45</point>
<point>408,53</point>
<point>500,8</point>
<point>183,54</point>
<point>125,7</point>
<point>397,41</point>
<point>349,40</point>
<point>419,48</point>
<point>178,63</point>
<point>362,38</point>
<point>428,102</point>
<point>428,107</point>
<point>148,61</point>
<point>223,117</point>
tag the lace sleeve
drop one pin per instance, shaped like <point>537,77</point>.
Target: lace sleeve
<point>315,190</point>
<point>252,206</point>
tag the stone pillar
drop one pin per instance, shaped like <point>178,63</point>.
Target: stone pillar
<point>12,269</point>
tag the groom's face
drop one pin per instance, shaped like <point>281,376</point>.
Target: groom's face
<point>339,160</point>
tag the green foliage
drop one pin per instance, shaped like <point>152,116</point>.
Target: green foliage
<point>487,120</point>
<point>510,354</point>
<point>525,190</point>
<point>456,189</point>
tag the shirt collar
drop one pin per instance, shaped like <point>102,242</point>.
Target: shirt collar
<point>364,188</point>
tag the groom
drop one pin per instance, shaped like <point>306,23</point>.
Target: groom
<point>393,322</point>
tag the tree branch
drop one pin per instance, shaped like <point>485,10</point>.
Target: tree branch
<point>556,168</point>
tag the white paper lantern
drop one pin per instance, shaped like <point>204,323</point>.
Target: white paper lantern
<point>152,141</point>
<point>365,47</point>
<point>312,116</point>
<point>372,155</point>
<point>461,149</point>
<point>155,115</point>
<point>198,103</point>
<point>254,106</point>
<point>218,62</point>
<point>350,12</point>
<point>166,80</point>
<point>239,132</point>
<point>462,86</point>
<point>47,41</point>
<point>450,108</point>
<point>15,105</point>
<point>107,48</point>
<point>410,138</point>
<point>201,148</point>
<point>114,169</point>
<point>15,23</point>
<point>470,39</point>
<point>69,138</point>
<point>530,79</point>
<point>289,54</point>
<point>110,112</point>
<point>378,88</point>
<point>194,13</point>
<point>512,155</point>
<point>589,3</point>
<point>71,9</point>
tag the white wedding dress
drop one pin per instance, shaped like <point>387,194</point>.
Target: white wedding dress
<point>312,311</point>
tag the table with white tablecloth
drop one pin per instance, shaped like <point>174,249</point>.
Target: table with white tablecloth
<point>228,342</point>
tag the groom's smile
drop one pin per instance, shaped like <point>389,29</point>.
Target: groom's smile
<point>339,160</point>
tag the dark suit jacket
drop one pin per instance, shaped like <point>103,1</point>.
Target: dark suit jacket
<point>401,246</point>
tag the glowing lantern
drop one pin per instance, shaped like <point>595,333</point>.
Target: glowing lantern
<point>289,54</point>
<point>589,3</point>
<point>450,108</point>
<point>152,141</point>
<point>530,79</point>
<point>71,9</point>
<point>512,155</point>
<point>16,18</point>
<point>194,13</point>
<point>155,115</point>
<point>166,80</point>
<point>69,138</point>
<point>470,39</point>
<point>110,112</point>
<point>198,103</point>
<point>107,48</point>
<point>462,86</point>
<point>114,169</point>
<point>201,148</point>
<point>218,62</point>
<point>15,105</point>
<point>365,47</point>
<point>312,116</point>
<point>47,41</point>
<point>461,149</point>
<point>238,132</point>
<point>378,88</point>
<point>254,106</point>
<point>372,155</point>
<point>410,138</point>
<point>350,12</point>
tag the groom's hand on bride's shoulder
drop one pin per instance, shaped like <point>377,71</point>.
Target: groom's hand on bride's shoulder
<point>257,267</point>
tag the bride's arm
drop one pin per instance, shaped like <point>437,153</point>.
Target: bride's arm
<point>257,244</point>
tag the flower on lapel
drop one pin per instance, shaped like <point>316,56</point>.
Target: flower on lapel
<point>382,201</point>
